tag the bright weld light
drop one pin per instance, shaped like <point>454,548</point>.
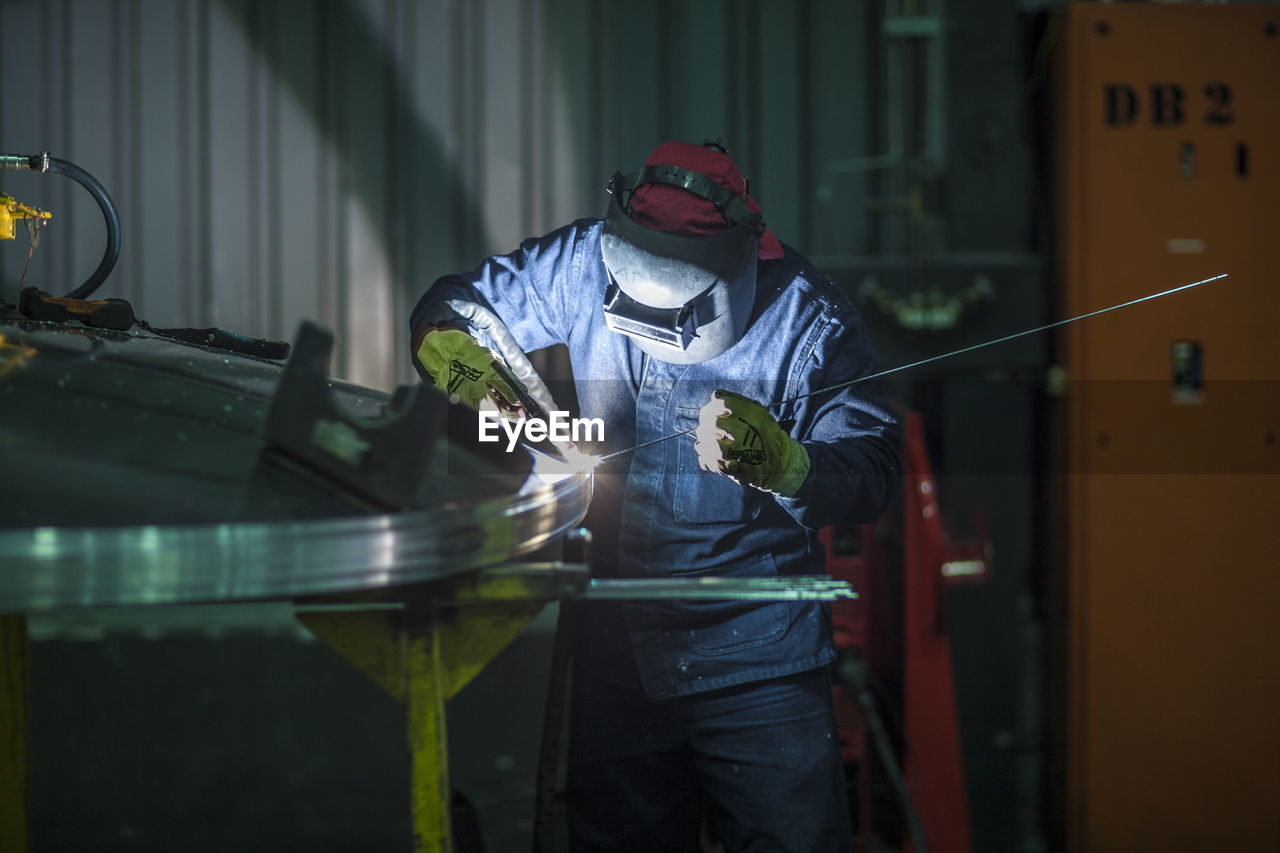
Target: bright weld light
<point>550,469</point>
<point>579,462</point>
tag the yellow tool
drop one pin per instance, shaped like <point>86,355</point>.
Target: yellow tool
<point>11,210</point>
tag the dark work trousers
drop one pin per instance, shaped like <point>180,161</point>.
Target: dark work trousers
<point>760,761</point>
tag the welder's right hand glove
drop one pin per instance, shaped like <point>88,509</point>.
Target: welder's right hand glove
<point>460,366</point>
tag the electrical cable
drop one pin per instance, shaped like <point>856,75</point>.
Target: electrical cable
<point>934,358</point>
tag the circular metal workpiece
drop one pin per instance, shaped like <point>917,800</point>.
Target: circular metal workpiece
<point>49,568</point>
<point>135,472</point>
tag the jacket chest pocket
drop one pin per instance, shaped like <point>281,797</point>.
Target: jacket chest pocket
<point>705,498</point>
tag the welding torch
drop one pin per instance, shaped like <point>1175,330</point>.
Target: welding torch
<point>524,406</point>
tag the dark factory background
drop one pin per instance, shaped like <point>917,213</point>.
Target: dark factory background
<point>963,170</point>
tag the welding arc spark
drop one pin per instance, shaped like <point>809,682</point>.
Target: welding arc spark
<point>934,358</point>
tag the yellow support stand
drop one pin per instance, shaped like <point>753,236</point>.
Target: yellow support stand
<point>422,645</point>
<point>426,649</point>
<point>429,796</point>
<point>14,733</point>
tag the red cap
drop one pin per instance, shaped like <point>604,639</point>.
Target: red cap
<point>673,210</point>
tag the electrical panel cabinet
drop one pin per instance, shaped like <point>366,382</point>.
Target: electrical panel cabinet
<point>1167,171</point>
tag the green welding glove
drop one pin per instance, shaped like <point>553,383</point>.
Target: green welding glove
<point>458,364</point>
<point>738,437</point>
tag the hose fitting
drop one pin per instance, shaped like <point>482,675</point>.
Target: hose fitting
<point>24,162</point>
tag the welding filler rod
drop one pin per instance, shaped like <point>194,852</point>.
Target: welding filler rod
<point>934,358</point>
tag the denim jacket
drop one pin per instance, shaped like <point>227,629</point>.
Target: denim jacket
<point>655,512</point>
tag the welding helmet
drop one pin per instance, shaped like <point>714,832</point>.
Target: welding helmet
<point>680,243</point>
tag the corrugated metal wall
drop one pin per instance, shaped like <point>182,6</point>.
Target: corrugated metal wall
<point>328,159</point>
<point>287,159</point>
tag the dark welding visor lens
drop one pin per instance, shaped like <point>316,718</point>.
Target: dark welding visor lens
<point>672,327</point>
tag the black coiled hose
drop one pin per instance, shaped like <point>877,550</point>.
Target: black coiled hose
<point>45,163</point>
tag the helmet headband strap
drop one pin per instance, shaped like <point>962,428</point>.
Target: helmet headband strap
<point>732,207</point>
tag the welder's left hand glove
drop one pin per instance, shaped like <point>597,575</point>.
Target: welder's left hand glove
<point>738,437</point>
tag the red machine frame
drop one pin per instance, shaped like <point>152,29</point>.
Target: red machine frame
<point>897,627</point>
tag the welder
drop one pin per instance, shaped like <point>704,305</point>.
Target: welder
<point>683,313</point>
